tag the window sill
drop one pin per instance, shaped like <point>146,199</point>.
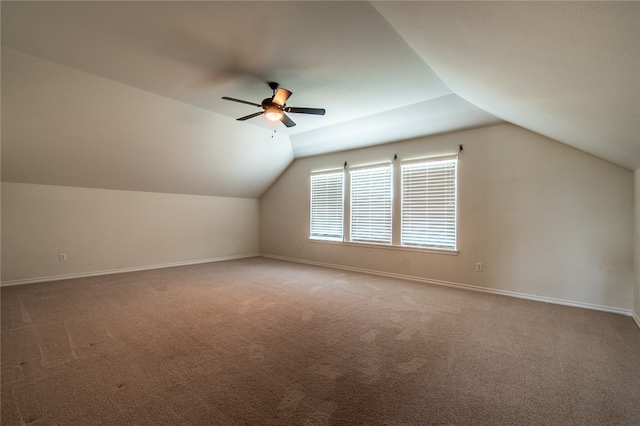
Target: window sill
<point>387,247</point>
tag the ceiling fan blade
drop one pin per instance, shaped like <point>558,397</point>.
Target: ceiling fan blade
<point>246,117</point>
<point>287,121</point>
<point>299,110</point>
<point>226,98</point>
<point>281,96</point>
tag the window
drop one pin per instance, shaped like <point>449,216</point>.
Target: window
<point>371,204</point>
<point>327,203</point>
<point>429,204</point>
<point>410,204</point>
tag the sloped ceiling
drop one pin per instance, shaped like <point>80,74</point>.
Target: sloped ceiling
<point>127,95</point>
<point>566,70</point>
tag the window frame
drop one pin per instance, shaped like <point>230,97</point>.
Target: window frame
<point>396,208</point>
<point>364,212</point>
<point>327,218</point>
<point>435,210</point>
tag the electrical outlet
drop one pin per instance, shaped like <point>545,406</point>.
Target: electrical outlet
<point>479,267</point>
<point>299,246</point>
<point>62,257</point>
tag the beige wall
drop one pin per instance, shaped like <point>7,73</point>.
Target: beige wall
<point>107,230</point>
<point>545,219</point>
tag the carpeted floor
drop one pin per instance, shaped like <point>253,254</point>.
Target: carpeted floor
<point>260,341</point>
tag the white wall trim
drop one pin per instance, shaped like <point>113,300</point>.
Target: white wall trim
<point>553,300</point>
<point>122,270</point>
<point>626,312</point>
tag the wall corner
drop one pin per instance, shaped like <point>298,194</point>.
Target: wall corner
<point>636,249</point>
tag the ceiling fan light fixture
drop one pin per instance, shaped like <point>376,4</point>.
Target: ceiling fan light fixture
<point>274,108</point>
<point>273,113</point>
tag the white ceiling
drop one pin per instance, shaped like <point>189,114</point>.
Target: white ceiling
<point>384,71</point>
<point>566,70</point>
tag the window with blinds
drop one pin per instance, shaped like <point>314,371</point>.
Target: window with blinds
<point>371,204</point>
<point>429,204</point>
<point>327,206</point>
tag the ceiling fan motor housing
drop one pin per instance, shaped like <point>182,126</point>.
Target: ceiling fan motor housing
<point>268,102</point>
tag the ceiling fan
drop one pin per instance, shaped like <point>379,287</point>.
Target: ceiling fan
<point>274,108</point>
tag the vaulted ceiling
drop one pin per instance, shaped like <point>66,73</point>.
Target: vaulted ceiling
<point>127,95</point>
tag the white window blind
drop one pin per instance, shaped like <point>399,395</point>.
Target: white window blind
<point>327,205</point>
<point>371,204</point>
<point>429,204</point>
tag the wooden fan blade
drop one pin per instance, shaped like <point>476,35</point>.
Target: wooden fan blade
<point>300,110</point>
<point>226,98</point>
<point>246,117</point>
<point>281,97</point>
<point>287,121</point>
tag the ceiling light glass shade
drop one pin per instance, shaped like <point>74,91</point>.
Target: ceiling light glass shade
<point>273,113</point>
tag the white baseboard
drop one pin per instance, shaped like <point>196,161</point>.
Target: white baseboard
<point>121,270</point>
<point>626,312</point>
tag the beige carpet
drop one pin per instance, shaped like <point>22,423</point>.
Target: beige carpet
<point>260,341</point>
